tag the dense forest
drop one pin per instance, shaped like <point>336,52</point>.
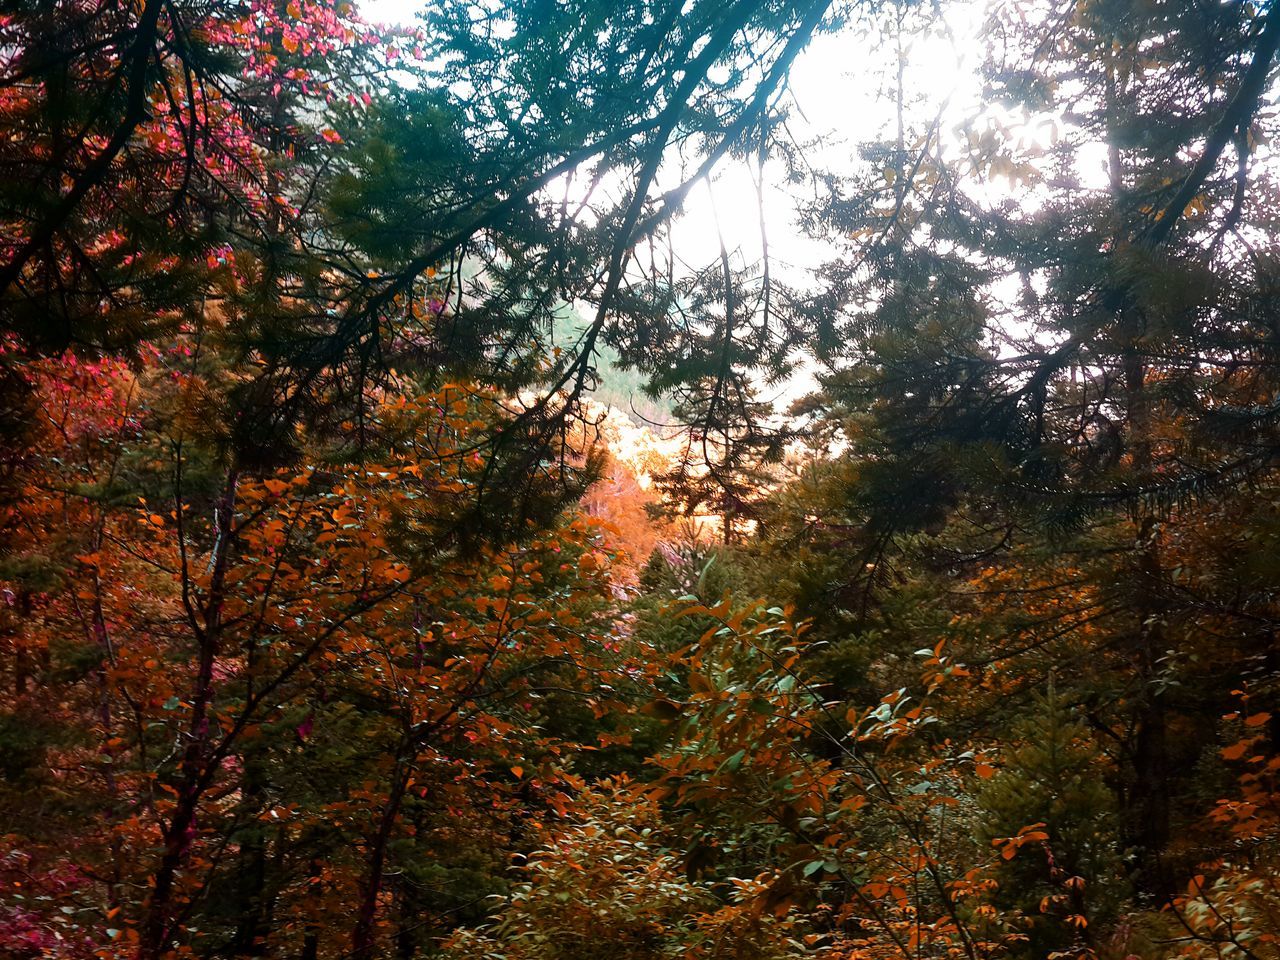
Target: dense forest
<point>411,546</point>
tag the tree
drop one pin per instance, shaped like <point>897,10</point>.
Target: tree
<point>1054,779</point>
<point>200,626</point>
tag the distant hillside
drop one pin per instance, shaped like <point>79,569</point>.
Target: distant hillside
<point>619,389</point>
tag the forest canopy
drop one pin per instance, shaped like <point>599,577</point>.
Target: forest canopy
<point>429,529</point>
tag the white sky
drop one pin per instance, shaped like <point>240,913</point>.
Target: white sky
<point>841,88</point>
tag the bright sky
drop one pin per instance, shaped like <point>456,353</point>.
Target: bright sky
<point>841,89</point>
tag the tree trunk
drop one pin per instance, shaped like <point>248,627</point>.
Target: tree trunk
<point>156,929</point>
<point>362,936</point>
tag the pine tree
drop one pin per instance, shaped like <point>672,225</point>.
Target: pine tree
<point>1053,780</point>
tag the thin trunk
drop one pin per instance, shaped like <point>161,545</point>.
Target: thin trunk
<point>1148,813</point>
<point>312,928</point>
<point>249,894</point>
<point>156,929</point>
<point>1146,806</point>
<point>362,936</point>
<point>23,669</point>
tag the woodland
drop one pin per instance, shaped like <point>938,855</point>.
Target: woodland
<point>405,553</point>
